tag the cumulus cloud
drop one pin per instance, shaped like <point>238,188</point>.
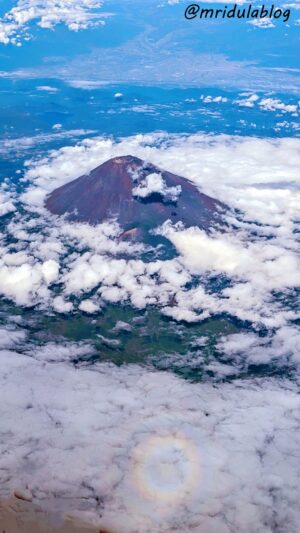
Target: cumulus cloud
<point>249,101</point>
<point>213,99</point>
<point>6,203</point>
<point>76,15</point>
<point>88,306</point>
<point>267,103</point>
<point>154,183</point>
<point>270,265</point>
<point>24,283</point>
<point>274,104</point>
<point>262,23</point>
<point>60,305</point>
<point>174,2</point>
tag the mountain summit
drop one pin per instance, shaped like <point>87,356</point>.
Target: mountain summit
<point>137,194</point>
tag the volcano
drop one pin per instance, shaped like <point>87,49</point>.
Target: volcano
<point>135,193</point>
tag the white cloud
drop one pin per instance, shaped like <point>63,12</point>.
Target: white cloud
<point>6,203</point>
<point>24,283</point>
<point>154,183</point>
<point>22,144</point>
<point>159,453</point>
<point>55,352</point>
<point>47,88</point>
<point>76,15</point>
<point>88,306</point>
<point>247,102</point>
<point>50,270</point>
<point>89,85</point>
<point>9,338</point>
<point>174,2</point>
<point>61,306</point>
<point>267,104</point>
<point>270,266</point>
<point>274,104</point>
<point>249,348</point>
<point>262,23</point>
<point>213,99</point>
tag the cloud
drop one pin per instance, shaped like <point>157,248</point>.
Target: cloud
<point>213,99</point>
<point>9,338</point>
<point>88,85</point>
<point>27,282</point>
<point>88,306</point>
<point>61,306</point>
<point>47,88</point>
<point>22,144</point>
<point>252,349</point>
<point>58,353</point>
<point>76,15</point>
<point>159,453</point>
<point>270,265</point>
<point>155,184</point>
<point>174,2</point>
<point>274,104</point>
<point>247,102</point>
<point>6,202</point>
<point>267,104</point>
<point>262,23</point>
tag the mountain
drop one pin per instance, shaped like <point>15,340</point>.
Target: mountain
<point>139,195</point>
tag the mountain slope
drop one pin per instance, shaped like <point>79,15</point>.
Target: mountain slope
<point>139,195</point>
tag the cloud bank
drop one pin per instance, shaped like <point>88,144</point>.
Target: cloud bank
<point>76,15</point>
<point>150,452</point>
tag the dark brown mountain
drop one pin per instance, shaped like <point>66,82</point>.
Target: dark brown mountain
<point>122,188</point>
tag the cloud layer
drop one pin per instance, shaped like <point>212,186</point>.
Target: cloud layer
<point>76,15</point>
<point>150,452</point>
